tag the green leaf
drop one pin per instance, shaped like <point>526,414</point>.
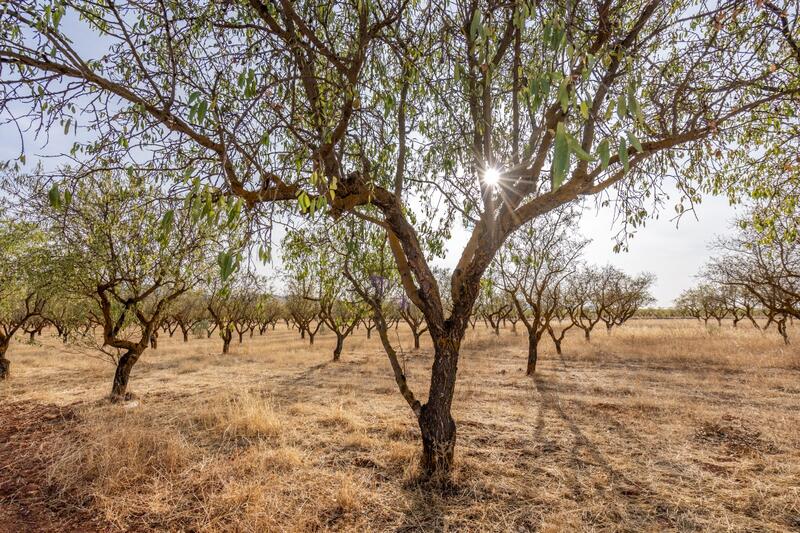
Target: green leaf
<point>623,154</point>
<point>577,149</point>
<point>605,153</point>
<point>54,196</point>
<point>622,108</point>
<point>584,110</point>
<point>475,25</point>
<point>563,95</point>
<point>560,156</point>
<point>634,141</point>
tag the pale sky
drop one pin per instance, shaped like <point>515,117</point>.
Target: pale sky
<point>673,254</point>
<point>672,250</point>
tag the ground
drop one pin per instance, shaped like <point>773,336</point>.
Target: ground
<point>661,425</point>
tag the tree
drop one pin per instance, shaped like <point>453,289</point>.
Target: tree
<point>128,248</point>
<point>475,109</point>
<point>533,266</point>
<point>705,301</point>
<point>23,290</point>
<point>189,311</point>
<point>302,305</point>
<point>494,306</point>
<point>766,267</point>
<point>625,295</point>
<point>269,310</point>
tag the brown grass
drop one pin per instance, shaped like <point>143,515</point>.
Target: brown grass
<point>662,425</point>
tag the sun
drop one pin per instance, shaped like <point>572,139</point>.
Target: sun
<point>491,176</point>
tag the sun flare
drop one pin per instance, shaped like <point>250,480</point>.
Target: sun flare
<point>491,176</point>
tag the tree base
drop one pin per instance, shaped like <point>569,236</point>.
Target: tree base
<point>5,369</point>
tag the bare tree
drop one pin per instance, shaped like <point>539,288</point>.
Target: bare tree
<point>533,266</point>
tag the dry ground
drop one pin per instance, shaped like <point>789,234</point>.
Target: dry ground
<point>662,425</point>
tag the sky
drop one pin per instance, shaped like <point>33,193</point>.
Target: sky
<point>673,250</point>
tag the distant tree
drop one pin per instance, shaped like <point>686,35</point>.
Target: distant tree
<point>766,267</point>
<point>189,311</point>
<point>624,295</point>
<point>24,260</point>
<point>705,301</point>
<point>494,304</point>
<point>533,267</point>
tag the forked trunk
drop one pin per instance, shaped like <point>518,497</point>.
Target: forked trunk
<point>533,352</point>
<point>311,337</point>
<point>416,339</point>
<point>226,341</point>
<point>185,335</point>
<point>435,421</point>
<point>337,351</point>
<point>122,374</point>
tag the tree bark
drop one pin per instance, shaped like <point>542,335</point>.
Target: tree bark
<point>416,339</point>
<point>337,351</point>
<point>226,343</point>
<point>311,338</point>
<point>558,346</point>
<point>185,335</point>
<point>533,352</point>
<point>435,421</point>
<point>5,364</point>
<point>122,374</point>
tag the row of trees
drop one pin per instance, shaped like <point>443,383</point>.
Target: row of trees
<point>752,274</point>
<point>406,116</point>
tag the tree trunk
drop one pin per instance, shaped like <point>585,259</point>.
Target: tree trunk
<point>369,333</point>
<point>587,335</point>
<point>241,334</point>
<point>122,374</point>
<point>311,338</point>
<point>226,342</point>
<point>303,333</point>
<point>5,364</point>
<point>154,341</point>
<point>33,336</point>
<point>185,335</point>
<point>435,421</point>
<point>558,346</point>
<point>416,339</point>
<point>533,353</point>
<point>337,351</point>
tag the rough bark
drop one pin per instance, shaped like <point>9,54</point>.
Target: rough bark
<point>122,374</point>
<point>533,352</point>
<point>337,351</point>
<point>436,424</point>
<point>5,364</point>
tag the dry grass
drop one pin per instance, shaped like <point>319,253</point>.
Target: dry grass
<point>662,425</point>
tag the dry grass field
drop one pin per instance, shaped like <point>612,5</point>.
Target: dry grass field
<point>660,426</point>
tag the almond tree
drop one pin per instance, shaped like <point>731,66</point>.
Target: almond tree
<point>411,115</point>
<point>533,266</point>
<point>625,295</point>
<point>24,287</point>
<point>189,311</point>
<point>128,248</point>
<point>766,266</point>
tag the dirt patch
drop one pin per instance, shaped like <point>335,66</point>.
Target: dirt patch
<point>735,435</point>
<point>27,434</point>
